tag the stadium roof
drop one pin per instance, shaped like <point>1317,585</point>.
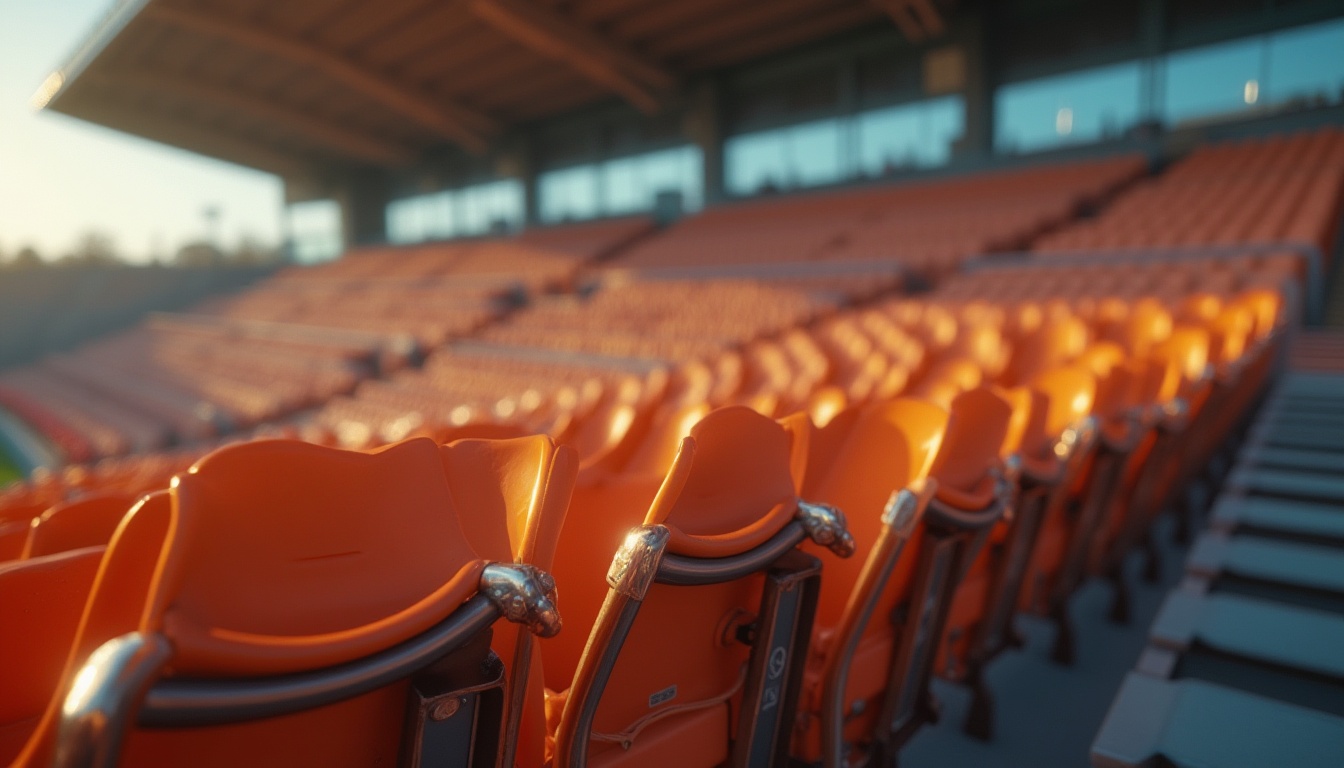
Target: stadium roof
<point>291,86</point>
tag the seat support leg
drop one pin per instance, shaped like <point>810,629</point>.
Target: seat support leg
<point>980,718</point>
<point>1152,558</point>
<point>1183,510</point>
<point>1122,600</point>
<point>1065,649</point>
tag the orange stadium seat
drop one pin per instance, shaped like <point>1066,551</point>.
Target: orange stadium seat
<point>873,462</point>
<point>85,522</point>
<point>779,463</point>
<point>726,514</point>
<point>41,600</point>
<point>302,569</point>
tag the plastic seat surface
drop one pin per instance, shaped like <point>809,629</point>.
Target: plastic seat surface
<point>85,522</point>
<point>278,556</point>
<point>856,463</point>
<point>41,601</point>
<point>728,490</point>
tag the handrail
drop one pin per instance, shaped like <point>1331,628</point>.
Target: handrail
<point>175,703</point>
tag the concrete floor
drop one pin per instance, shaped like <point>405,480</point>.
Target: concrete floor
<point>1047,715</point>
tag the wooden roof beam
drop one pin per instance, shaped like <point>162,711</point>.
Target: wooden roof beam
<point>558,37</point>
<point>325,133</point>
<point>928,16</point>
<point>903,17</point>
<point>449,121</point>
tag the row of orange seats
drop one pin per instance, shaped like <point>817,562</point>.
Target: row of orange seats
<point>298,570</point>
<point>882,351</point>
<point>289,344</point>
<point>932,226</point>
<point>549,366</point>
<point>148,388</point>
<point>1281,189</point>
<point>855,356</point>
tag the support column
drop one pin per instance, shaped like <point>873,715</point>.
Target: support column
<point>517,158</point>
<point>531,194</point>
<point>704,126</point>
<point>363,200</point>
<point>978,140</point>
<point>1152,41</point>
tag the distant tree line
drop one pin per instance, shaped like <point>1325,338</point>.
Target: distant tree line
<point>96,248</point>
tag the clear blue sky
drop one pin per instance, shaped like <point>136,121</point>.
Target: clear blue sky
<point>61,177</point>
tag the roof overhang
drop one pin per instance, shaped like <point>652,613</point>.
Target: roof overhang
<point>301,88</point>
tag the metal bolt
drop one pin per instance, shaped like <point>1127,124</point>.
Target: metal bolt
<point>445,709</point>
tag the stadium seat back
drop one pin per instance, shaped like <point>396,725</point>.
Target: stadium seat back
<point>977,423</point>
<point>859,462</point>
<point>1230,333</point>
<point>85,522</point>
<point>968,471</point>
<point>1198,308</point>
<point>679,664</point>
<point>278,557</point>
<point>41,601</point>
<point>371,545</point>
<point>1188,348</point>
<point>526,482</point>
<point>825,404</point>
<point>13,538</point>
<point>740,491</point>
<point>1068,392</point>
<point>1266,306</point>
<point>1028,410</point>
<point>1147,324</point>
<point>1047,346</point>
<point>654,455</point>
<point>856,463</point>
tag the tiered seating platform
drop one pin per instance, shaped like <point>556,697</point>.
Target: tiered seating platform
<point>769,486</point>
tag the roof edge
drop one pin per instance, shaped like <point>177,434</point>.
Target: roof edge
<point>59,81</point>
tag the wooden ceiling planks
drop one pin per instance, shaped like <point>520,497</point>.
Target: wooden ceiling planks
<point>664,19</point>
<point>598,14</point>
<point>731,29</point>
<point>436,24</point>
<point>299,18</point>
<point>472,82</point>
<point>779,38</point>
<point>544,103</point>
<point>475,46</point>
<point>368,21</point>
<point>378,71</point>
<point>507,93</point>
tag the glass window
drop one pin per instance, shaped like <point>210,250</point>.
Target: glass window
<point>571,193</point>
<point>623,185</point>
<point>404,222</point>
<point>470,211</point>
<point>1306,63</point>
<point>482,207</point>
<point>631,184</point>
<point>798,156</point>
<point>315,230</point>
<point>437,215</point>
<point>1074,108</point>
<point>754,162</point>
<point>826,151</point>
<point>815,153</point>
<point>1213,80</point>
<point>911,135</point>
